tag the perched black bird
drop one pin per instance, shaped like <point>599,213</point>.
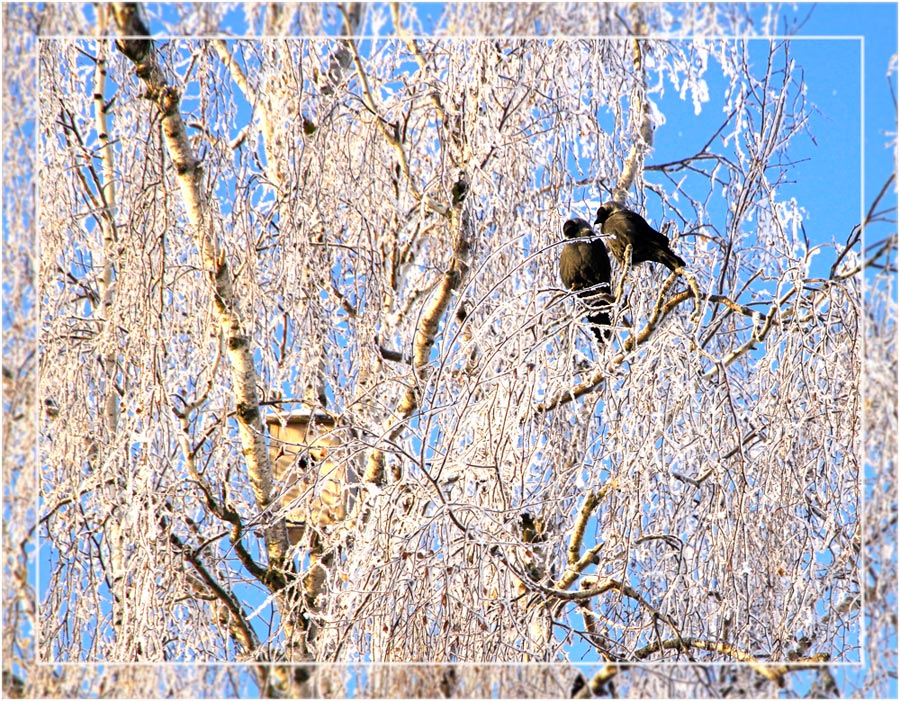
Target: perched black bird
<point>584,268</point>
<point>621,227</point>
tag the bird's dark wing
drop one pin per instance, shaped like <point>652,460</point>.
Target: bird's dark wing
<point>573,267</point>
<point>600,321</point>
<point>638,226</point>
<point>601,268</point>
<point>584,264</point>
<point>647,242</point>
<point>670,259</point>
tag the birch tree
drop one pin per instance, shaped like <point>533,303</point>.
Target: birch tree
<point>358,237</point>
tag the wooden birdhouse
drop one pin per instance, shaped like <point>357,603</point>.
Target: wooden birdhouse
<point>315,472</point>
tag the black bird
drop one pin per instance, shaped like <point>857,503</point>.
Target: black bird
<point>621,227</point>
<point>584,268</point>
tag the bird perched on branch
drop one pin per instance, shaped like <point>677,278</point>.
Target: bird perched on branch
<point>584,268</point>
<point>622,227</point>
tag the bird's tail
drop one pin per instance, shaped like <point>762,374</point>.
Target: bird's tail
<point>600,322</point>
<point>671,260</point>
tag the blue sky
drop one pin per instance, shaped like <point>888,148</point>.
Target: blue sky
<point>833,79</point>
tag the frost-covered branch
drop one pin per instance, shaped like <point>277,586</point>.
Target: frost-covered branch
<point>137,46</point>
<point>640,109</point>
<point>237,622</point>
<point>423,341</point>
<point>576,562</point>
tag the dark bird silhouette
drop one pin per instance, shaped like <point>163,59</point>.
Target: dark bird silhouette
<point>532,528</point>
<point>621,227</point>
<point>584,268</point>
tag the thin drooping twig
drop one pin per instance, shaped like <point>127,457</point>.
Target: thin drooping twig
<point>660,311</point>
<point>391,135</point>
<point>774,673</point>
